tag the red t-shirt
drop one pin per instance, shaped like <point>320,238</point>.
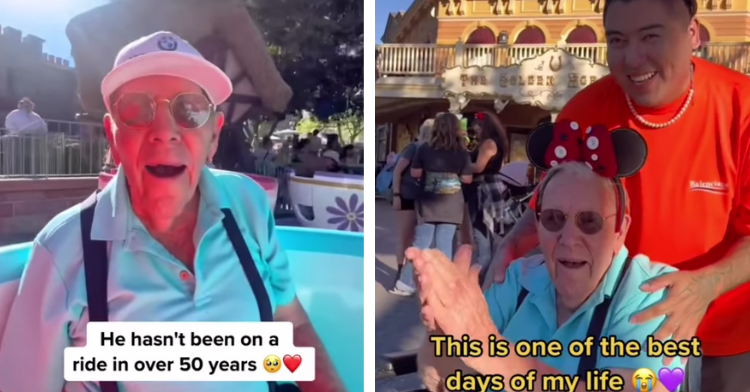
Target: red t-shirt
<point>691,200</point>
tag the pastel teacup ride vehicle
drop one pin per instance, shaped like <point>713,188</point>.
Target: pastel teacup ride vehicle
<point>327,267</point>
<point>328,200</point>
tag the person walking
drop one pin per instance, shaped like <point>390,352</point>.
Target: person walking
<point>405,189</point>
<point>441,165</point>
<point>487,189</point>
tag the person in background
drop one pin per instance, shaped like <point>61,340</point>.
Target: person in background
<point>333,142</point>
<point>314,142</point>
<point>305,160</point>
<point>349,155</point>
<point>332,161</point>
<point>265,152</point>
<point>692,198</point>
<point>440,166</point>
<point>405,189</point>
<point>465,230</point>
<point>24,121</point>
<point>486,191</point>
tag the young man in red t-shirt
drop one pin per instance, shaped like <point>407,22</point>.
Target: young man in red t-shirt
<point>691,201</point>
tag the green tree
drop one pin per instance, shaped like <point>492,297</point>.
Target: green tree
<point>318,48</point>
<point>309,124</point>
<point>350,125</point>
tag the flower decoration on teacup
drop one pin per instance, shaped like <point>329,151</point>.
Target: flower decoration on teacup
<point>618,153</point>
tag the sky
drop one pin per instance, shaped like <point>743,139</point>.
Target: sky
<point>46,19</point>
<point>382,9</point>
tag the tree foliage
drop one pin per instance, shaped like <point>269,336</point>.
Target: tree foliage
<point>318,48</point>
<point>349,125</point>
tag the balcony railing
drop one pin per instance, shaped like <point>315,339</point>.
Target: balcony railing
<point>431,60</point>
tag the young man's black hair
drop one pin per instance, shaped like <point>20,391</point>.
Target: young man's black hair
<point>690,5</point>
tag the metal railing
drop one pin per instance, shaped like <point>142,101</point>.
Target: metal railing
<point>433,60</point>
<point>51,154</point>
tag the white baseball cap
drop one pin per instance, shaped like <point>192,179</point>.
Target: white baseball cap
<point>165,54</point>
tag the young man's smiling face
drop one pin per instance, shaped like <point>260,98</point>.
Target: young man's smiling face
<point>649,48</point>
<point>161,155</point>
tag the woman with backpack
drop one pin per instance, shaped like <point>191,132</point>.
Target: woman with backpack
<point>440,165</point>
<point>405,189</point>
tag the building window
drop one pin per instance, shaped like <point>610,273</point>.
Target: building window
<point>481,36</point>
<point>531,35</point>
<point>581,35</point>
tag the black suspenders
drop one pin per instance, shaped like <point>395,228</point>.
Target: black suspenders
<point>588,362</point>
<point>96,269</point>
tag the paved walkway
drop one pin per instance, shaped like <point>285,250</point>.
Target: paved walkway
<point>397,324</point>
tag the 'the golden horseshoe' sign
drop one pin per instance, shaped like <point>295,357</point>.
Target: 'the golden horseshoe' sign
<point>555,68</point>
<point>547,81</point>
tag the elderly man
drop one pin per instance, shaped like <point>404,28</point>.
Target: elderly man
<point>167,240</point>
<point>584,284</point>
<point>692,198</point>
<point>24,120</point>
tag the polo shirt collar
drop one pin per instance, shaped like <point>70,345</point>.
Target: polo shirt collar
<point>114,217</point>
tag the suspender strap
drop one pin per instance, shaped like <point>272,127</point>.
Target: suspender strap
<point>251,272</point>
<point>521,296</point>
<point>96,270</point>
<point>248,265</point>
<point>596,326</point>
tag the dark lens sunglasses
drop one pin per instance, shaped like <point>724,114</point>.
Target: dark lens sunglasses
<point>138,110</point>
<point>589,222</point>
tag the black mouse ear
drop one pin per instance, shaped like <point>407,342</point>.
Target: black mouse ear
<point>630,151</point>
<point>537,144</point>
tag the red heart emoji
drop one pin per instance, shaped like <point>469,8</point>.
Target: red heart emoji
<point>292,362</point>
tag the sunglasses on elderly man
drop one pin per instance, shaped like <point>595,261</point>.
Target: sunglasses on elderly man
<point>138,110</point>
<point>589,222</point>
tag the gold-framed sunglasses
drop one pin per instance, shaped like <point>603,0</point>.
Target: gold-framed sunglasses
<point>138,110</point>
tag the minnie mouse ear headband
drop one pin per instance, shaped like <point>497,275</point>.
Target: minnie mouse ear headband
<point>611,154</point>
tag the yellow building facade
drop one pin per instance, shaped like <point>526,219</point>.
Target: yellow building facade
<point>521,58</point>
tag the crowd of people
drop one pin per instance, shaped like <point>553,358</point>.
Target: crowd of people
<point>308,155</point>
<point>447,187</point>
<point>648,163</point>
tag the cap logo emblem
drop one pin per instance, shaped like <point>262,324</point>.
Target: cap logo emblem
<point>167,43</point>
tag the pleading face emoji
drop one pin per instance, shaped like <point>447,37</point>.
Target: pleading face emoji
<point>644,380</point>
<point>272,364</point>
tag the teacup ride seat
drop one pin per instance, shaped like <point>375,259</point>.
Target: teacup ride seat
<point>333,201</point>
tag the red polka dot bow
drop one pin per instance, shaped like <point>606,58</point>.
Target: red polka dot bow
<point>592,147</point>
<point>617,153</point>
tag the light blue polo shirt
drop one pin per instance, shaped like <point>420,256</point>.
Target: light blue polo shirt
<point>536,319</point>
<point>146,283</point>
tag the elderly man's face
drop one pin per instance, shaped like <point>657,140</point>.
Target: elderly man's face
<point>577,261</point>
<point>162,161</point>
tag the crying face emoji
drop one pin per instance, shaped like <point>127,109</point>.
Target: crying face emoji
<point>272,364</point>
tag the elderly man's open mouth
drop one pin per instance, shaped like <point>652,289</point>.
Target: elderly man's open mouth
<point>166,171</point>
<point>572,263</point>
